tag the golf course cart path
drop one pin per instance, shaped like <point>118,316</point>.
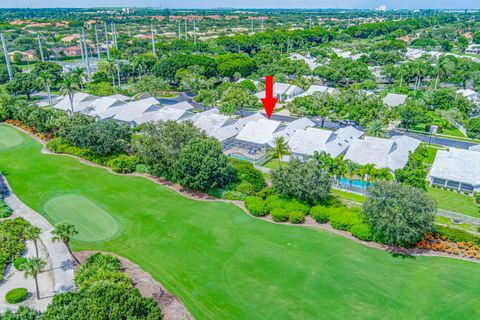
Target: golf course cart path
<point>309,222</point>
<point>60,259</point>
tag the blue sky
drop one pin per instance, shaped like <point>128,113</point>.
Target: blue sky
<point>244,3</point>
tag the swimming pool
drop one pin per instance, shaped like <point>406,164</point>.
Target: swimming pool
<point>357,184</point>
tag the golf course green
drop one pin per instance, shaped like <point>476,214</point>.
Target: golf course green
<point>225,264</point>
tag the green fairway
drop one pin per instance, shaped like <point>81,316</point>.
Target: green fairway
<point>14,138</point>
<point>225,264</point>
<point>92,222</point>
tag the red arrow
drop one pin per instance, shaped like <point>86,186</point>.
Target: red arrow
<point>269,101</point>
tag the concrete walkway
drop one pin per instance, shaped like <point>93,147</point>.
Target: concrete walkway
<point>59,261</point>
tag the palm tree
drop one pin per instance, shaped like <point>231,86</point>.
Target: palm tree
<point>63,232</point>
<point>33,267</point>
<point>351,170</point>
<point>367,172</point>
<point>324,161</point>
<point>79,73</point>
<point>339,169</point>
<point>279,150</point>
<point>376,129</point>
<point>45,79</point>
<point>67,87</point>
<point>33,233</point>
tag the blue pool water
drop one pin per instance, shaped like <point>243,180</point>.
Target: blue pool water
<point>355,183</point>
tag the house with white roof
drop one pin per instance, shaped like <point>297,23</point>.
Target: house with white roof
<point>97,108</point>
<point>259,134</point>
<point>347,54</point>
<point>456,169</point>
<point>304,143</point>
<point>211,121</point>
<point>311,62</point>
<point>315,88</point>
<point>382,153</point>
<point>133,111</point>
<point>231,129</point>
<point>282,91</point>
<point>80,101</point>
<point>469,94</point>
<point>393,100</point>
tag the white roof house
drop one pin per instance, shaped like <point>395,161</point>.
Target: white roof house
<point>311,62</point>
<point>134,110</point>
<point>315,88</point>
<point>210,121</point>
<point>304,143</point>
<point>282,90</point>
<point>80,101</point>
<point>469,94</point>
<point>259,131</point>
<point>394,100</point>
<point>347,54</point>
<point>289,130</point>
<point>382,153</point>
<point>230,130</point>
<point>99,106</point>
<point>475,148</point>
<point>164,114</point>
<point>457,169</point>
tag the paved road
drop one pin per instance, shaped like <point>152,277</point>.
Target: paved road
<point>435,139</point>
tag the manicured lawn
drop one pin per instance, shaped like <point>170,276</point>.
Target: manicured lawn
<point>224,264</point>
<point>450,131</point>
<point>456,202</point>
<point>348,196</point>
<point>432,153</point>
<point>274,164</point>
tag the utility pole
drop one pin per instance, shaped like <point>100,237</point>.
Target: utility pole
<point>263,28</point>
<point>253,28</point>
<point>194,33</point>
<point>96,40</point>
<point>153,41</point>
<point>40,48</point>
<point>87,62</point>
<point>115,34</point>
<point>310,23</point>
<point>81,49</point>
<point>7,59</point>
<point>179,30</point>
<point>106,40</point>
<point>186,30</point>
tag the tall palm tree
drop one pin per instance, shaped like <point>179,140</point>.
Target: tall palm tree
<point>367,173</point>
<point>279,150</point>
<point>63,232</point>
<point>351,170</point>
<point>376,129</point>
<point>79,73</point>
<point>324,161</point>
<point>45,79</point>
<point>339,169</point>
<point>33,267</point>
<point>33,233</point>
<point>67,88</point>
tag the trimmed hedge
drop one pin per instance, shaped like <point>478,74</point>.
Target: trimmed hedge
<point>5,210</point>
<point>59,145</point>
<point>346,219</point>
<point>296,217</point>
<point>19,263</point>
<point>123,164</point>
<point>256,206</point>
<point>320,214</point>
<point>233,195</point>
<point>275,201</point>
<point>279,215</point>
<point>16,295</point>
<point>362,231</point>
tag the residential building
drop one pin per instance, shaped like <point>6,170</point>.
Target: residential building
<point>473,49</point>
<point>382,153</point>
<point>304,143</point>
<point>456,169</point>
<point>282,91</point>
<point>29,55</point>
<point>393,100</point>
<point>315,88</point>
<point>98,108</point>
<point>310,61</point>
<point>81,101</point>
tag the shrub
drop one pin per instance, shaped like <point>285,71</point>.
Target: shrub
<point>5,211</point>
<point>19,263</point>
<point>345,219</point>
<point>141,168</point>
<point>457,235</point>
<point>275,201</point>
<point>279,215</point>
<point>245,188</point>
<point>256,206</point>
<point>362,231</point>
<point>123,164</point>
<point>320,214</point>
<point>16,295</point>
<point>245,172</point>
<point>266,192</point>
<point>233,195</point>
<point>296,217</point>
